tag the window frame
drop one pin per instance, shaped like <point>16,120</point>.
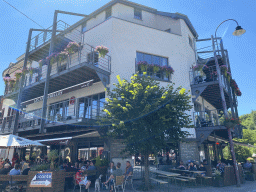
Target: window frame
<point>107,11</point>
<point>168,79</point>
<point>190,42</point>
<point>137,10</point>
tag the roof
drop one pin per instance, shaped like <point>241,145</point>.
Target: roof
<point>142,7</point>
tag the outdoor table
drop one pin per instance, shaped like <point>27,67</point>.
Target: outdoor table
<point>165,173</point>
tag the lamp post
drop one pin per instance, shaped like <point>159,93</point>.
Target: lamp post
<point>238,32</point>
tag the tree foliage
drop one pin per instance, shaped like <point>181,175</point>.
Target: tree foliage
<point>249,120</point>
<point>147,116</point>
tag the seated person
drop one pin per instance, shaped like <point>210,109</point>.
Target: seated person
<point>202,168</point>
<point>112,178</point>
<point>82,180</point>
<point>221,166</point>
<point>91,167</point>
<point>25,171</point>
<point>181,166</point>
<point>128,170</point>
<point>15,171</point>
<point>5,170</point>
<point>192,167</point>
<point>205,162</point>
<point>248,165</point>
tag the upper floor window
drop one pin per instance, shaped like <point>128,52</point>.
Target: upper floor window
<point>190,41</point>
<point>83,27</point>
<point>156,66</point>
<point>137,13</point>
<point>108,12</point>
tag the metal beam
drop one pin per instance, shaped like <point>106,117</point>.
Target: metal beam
<point>70,13</point>
<point>20,84</point>
<point>46,87</point>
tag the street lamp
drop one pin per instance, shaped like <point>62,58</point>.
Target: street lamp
<point>238,32</point>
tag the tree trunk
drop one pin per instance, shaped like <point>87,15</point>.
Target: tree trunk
<point>146,163</point>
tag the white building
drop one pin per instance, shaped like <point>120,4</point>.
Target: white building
<point>132,33</point>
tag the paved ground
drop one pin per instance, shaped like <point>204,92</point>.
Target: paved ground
<point>249,186</point>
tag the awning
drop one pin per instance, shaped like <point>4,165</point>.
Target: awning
<point>86,135</point>
<point>55,141</point>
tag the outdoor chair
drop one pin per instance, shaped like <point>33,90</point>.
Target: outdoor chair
<point>119,182</point>
<point>75,185</point>
<point>129,181</point>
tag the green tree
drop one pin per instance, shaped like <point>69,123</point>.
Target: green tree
<point>147,116</point>
<point>241,152</point>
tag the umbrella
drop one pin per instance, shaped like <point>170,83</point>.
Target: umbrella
<point>16,141</point>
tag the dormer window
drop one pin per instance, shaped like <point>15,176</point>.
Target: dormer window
<point>108,13</point>
<point>190,42</point>
<point>137,13</point>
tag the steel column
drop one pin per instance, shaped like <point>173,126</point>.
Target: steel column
<point>20,84</point>
<point>225,113</point>
<point>47,80</point>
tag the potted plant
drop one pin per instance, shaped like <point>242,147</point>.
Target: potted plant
<point>72,47</point>
<point>231,122</point>
<point>198,67</point>
<point>167,70</point>
<point>52,156</point>
<point>142,66</point>
<point>156,68</point>
<point>228,76</point>
<point>62,56</point>
<point>224,69</point>
<point>18,74</point>
<point>102,50</point>
<point>218,180</point>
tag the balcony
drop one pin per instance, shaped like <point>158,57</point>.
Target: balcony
<point>80,65</point>
<point>83,65</point>
<point>209,121</point>
<point>88,111</point>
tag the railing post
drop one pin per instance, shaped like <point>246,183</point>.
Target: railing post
<point>46,87</point>
<point>20,83</point>
<point>226,114</point>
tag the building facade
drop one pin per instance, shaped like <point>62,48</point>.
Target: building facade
<point>78,81</point>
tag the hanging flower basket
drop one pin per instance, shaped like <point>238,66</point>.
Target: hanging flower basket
<point>18,74</point>
<point>62,56</point>
<point>51,58</point>
<point>228,76</point>
<point>198,67</point>
<point>43,62</point>
<point>156,68</point>
<point>231,122</point>
<point>167,70</point>
<point>238,92</point>
<point>102,50</point>
<point>72,47</point>
<point>25,71</point>
<point>224,69</point>
<point>142,66</point>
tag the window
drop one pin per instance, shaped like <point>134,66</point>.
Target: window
<point>155,60</point>
<point>108,13</point>
<point>190,42</point>
<point>83,27</point>
<point>58,111</point>
<point>137,13</point>
<point>91,107</point>
<point>168,30</point>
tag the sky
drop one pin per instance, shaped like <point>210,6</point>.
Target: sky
<point>205,15</point>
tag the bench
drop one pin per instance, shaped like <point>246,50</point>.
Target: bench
<point>18,178</point>
<point>159,181</point>
<point>192,179</point>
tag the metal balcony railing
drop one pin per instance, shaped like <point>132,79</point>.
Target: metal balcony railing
<point>86,54</point>
<point>208,118</point>
<point>199,77</point>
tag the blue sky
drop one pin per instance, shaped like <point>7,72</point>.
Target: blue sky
<point>204,15</point>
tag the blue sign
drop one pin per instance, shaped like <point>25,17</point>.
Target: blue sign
<point>42,179</point>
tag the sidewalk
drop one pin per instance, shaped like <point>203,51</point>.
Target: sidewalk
<point>249,186</point>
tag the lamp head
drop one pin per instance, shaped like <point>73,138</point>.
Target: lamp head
<point>239,31</point>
